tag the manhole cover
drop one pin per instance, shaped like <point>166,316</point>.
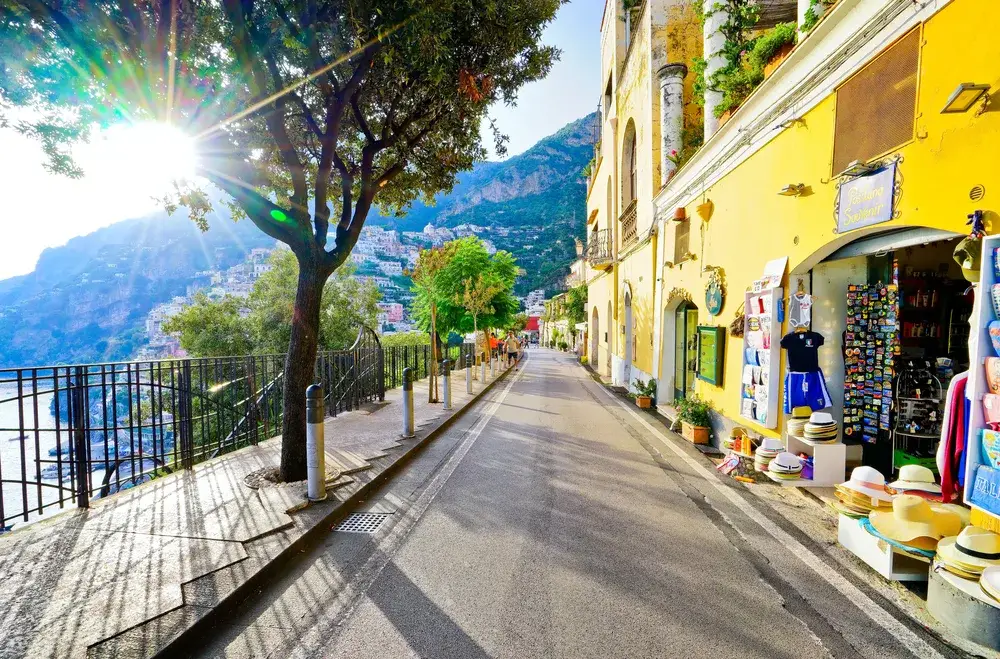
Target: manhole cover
<point>361,523</point>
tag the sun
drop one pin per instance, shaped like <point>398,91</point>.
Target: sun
<point>141,158</point>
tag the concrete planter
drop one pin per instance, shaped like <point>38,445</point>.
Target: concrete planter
<point>694,434</point>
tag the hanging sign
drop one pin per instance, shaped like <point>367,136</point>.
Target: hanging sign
<point>715,294</point>
<point>867,200</point>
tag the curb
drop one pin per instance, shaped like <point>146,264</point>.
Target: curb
<point>191,634</point>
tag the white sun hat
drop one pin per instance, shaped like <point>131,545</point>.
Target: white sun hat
<point>916,477</point>
<point>870,482</point>
<point>820,418</point>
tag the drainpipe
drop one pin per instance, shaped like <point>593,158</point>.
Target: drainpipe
<point>671,116</point>
<point>714,42</point>
<point>803,7</point>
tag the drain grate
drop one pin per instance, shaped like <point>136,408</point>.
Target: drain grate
<point>361,523</point>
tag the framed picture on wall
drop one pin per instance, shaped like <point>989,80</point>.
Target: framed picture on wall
<point>711,353</point>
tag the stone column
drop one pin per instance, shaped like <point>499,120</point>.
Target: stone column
<point>802,7</point>
<point>714,42</point>
<point>671,116</point>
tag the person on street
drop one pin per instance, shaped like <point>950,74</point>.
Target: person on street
<point>513,348</point>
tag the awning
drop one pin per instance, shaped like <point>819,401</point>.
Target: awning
<point>891,240</point>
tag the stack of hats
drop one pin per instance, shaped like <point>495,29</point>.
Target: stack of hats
<point>785,466</point>
<point>969,553</point>
<point>913,525</point>
<point>863,493</point>
<point>796,426</point>
<point>767,451</point>
<point>917,480</point>
<point>821,429</point>
<point>990,581</point>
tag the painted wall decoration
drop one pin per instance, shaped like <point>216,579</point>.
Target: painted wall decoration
<point>715,293</point>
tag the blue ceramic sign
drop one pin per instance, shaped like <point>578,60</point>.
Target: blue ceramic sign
<point>715,297</point>
<point>867,200</point>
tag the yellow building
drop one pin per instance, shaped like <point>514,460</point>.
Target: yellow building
<point>855,163</point>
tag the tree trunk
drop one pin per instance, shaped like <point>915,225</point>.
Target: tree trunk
<point>475,345</point>
<point>432,371</point>
<point>300,369</point>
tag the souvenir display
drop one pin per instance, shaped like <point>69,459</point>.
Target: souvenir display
<point>796,426</point>
<point>990,581</point>
<point>919,413</point>
<point>914,522</point>
<point>785,466</point>
<point>871,343</point>
<point>805,385</point>
<point>820,429</point>
<point>760,357</point>
<point>990,443</point>
<point>915,479</point>
<point>768,450</point>
<point>863,493</point>
<point>971,551</point>
<point>992,367</point>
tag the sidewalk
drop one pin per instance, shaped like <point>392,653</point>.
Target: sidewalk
<point>126,577</point>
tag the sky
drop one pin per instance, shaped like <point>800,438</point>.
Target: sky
<point>116,188</point>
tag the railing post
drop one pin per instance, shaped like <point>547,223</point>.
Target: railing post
<point>493,365</point>
<point>315,451</point>
<point>482,365</point>
<point>446,375</point>
<point>187,414</point>
<point>408,421</point>
<point>78,419</point>
<point>468,374</point>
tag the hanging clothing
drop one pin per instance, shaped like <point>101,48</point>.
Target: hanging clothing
<point>800,310</point>
<point>953,430</point>
<point>803,350</point>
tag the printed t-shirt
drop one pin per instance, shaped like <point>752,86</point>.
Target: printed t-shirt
<point>803,351</point>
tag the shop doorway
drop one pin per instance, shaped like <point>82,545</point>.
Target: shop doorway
<point>594,333</point>
<point>609,334</point>
<point>627,369</point>
<point>685,349</point>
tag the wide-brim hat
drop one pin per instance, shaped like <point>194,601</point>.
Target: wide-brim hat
<point>963,513</point>
<point>913,517</point>
<point>868,481</point>
<point>916,477</point>
<point>973,548</point>
<point>990,581</point>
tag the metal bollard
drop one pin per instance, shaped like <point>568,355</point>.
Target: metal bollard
<point>493,367</point>
<point>482,368</point>
<point>468,374</point>
<point>407,402</point>
<point>315,453</point>
<point>446,372</point>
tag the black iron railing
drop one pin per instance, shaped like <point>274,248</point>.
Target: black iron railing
<point>72,433</point>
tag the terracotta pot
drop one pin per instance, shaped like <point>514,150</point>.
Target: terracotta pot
<point>680,214</point>
<point>778,58</point>
<point>694,434</point>
<point>644,402</point>
<point>725,117</point>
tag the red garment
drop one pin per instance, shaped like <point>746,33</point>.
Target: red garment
<point>955,440</point>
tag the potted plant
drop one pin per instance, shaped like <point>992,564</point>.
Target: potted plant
<point>696,423</point>
<point>644,393</point>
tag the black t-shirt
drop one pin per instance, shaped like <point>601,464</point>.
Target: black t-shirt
<point>802,350</point>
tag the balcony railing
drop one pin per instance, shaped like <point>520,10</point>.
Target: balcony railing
<point>628,222</point>
<point>599,248</point>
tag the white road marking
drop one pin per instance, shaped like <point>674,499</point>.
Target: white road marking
<point>350,595</point>
<point>899,631</point>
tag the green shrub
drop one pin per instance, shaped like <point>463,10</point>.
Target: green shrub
<point>694,411</point>
<point>643,388</point>
<point>739,81</point>
<point>563,345</point>
<point>583,359</point>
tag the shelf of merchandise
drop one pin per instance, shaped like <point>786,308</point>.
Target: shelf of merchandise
<point>879,556</point>
<point>829,463</point>
<point>980,347</point>
<point>769,316</point>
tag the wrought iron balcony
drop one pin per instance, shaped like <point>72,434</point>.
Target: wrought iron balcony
<point>599,251</point>
<point>628,222</point>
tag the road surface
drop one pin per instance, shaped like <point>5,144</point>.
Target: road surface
<point>555,520</point>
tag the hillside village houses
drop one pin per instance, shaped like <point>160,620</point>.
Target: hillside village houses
<point>847,176</point>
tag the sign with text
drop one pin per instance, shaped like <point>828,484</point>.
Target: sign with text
<point>867,200</point>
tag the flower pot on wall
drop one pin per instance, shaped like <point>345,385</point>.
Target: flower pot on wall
<point>644,402</point>
<point>725,117</point>
<point>694,434</point>
<point>778,58</point>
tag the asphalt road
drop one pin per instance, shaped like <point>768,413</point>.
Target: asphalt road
<point>553,520</point>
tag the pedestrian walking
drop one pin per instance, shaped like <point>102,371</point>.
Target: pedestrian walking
<point>513,348</point>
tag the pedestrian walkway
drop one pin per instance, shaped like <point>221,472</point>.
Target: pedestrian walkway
<point>128,575</point>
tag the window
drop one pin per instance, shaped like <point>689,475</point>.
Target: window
<point>876,108</point>
<point>682,241</point>
<point>606,105</point>
<point>628,166</point>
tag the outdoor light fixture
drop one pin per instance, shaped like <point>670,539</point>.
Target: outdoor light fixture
<point>964,97</point>
<point>792,190</point>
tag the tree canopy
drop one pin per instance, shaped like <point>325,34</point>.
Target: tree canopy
<point>470,262</point>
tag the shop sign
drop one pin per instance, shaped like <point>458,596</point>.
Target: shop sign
<point>715,292</point>
<point>711,346</point>
<point>986,490</point>
<point>867,200</point>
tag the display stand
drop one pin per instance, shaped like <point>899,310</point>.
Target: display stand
<point>878,554</point>
<point>829,462</point>
<point>762,356</point>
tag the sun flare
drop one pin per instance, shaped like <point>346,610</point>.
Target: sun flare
<point>144,157</point>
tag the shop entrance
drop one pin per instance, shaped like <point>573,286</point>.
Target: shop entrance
<point>685,349</point>
<point>627,369</point>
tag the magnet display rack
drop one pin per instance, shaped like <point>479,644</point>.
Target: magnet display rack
<point>759,399</point>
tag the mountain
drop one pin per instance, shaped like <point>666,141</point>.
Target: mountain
<point>88,299</point>
<point>533,204</point>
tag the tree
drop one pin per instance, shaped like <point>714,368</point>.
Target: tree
<point>262,322</point>
<point>210,328</point>
<point>477,299</point>
<point>575,309</point>
<point>519,323</point>
<point>303,111</point>
<point>428,284</point>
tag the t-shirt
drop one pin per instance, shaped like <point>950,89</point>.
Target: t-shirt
<point>512,344</point>
<point>803,351</point>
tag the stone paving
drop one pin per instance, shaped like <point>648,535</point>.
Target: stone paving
<point>126,576</point>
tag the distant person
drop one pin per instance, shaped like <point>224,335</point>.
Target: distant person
<point>513,348</point>
<point>494,346</point>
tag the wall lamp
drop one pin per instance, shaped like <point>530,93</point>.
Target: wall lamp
<point>792,190</point>
<point>964,97</point>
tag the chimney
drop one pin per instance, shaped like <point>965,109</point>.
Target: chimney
<point>715,41</point>
<point>671,116</point>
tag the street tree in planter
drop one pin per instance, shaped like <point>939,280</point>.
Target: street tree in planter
<point>302,111</point>
<point>477,300</point>
<point>429,286</point>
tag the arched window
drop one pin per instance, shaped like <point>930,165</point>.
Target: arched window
<point>629,179</point>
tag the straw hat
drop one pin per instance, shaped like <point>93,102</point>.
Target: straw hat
<point>916,477</point>
<point>963,513</point>
<point>990,581</point>
<point>868,481</point>
<point>786,462</point>
<point>820,418</point>
<point>912,517</point>
<point>971,550</point>
<point>770,444</point>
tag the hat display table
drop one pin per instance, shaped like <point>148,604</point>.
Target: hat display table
<point>829,462</point>
<point>962,606</point>
<point>878,554</point>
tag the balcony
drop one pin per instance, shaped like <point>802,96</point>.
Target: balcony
<point>599,253</point>
<point>628,222</point>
